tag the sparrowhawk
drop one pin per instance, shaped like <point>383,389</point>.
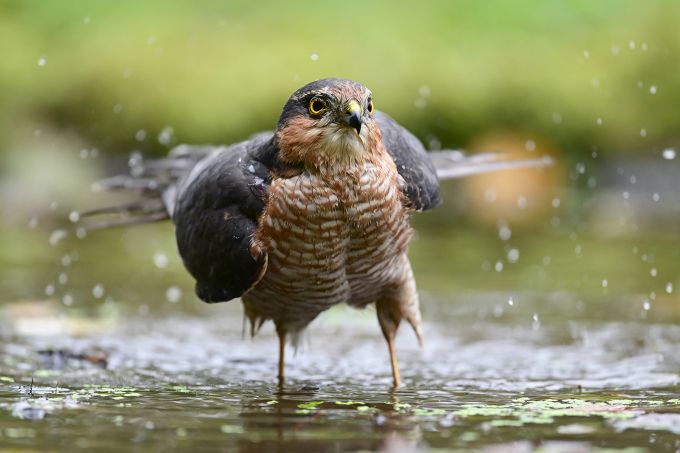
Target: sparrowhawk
<point>314,214</point>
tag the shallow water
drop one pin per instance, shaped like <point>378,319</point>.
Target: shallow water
<point>541,356</point>
<point>141,383</point>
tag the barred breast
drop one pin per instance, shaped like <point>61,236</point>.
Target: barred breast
<point>329,240</point>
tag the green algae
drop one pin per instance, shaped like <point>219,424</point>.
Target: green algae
<point>524,411</point>
<point>231,429</point>
<point>310,405</point>
<point>349,403</point>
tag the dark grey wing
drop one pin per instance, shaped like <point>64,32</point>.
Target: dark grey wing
<point>413,163</point>
<point>216,213</point>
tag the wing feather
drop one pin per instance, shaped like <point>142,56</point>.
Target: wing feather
<point>216,214</point>
<point>421,185</point>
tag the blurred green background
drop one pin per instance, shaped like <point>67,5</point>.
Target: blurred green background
<point>83,84</point>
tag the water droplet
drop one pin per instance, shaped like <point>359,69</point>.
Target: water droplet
<point>578,249</point>
<point>424,91</point>
<point>631,44</point>
<point>522,202</point>
<point>490,195</point>
<point>669,287</point>
<point>646,305</point>
<point>33,223</point>
<point>504,232</point>
<point>546,261</point>
<point>66,260</point>
<point>511,302</point>
<point>656,196</point>
<point>74,216</point>
<point>420,103</point>
<point>67,299</point>
<point>599,121</point>
<point>498,266</point>
<point>140,135</point>
<point>625,194</point>
<point>42,61</point>
<point>530,145</point>
<point>643,132</point>
<point>556,202</point>
<point>314,57</point>
<point>497,311</point>
<point>117,108</point>
<point>595,83</point>
<point>615,50</point>
<point>586,54</point>
<point>63,278</point>
<point>652,89</point>
<point>57,236</point>
<point>49,290</point>
<point>165,136</point>
<point>513,255</point>
<point>652,272</point>
<point>556,118</point>
<point>160,260</point>
<point>87,20</point>
<point>173,294</point>
<point>81,233</point>
<point>644,47</point>
<point>605,283</point>
<point>98,291</point>
<point>668,153</point>
<point>580,168</point>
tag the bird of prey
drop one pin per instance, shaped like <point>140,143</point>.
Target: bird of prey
<point>311,215</point>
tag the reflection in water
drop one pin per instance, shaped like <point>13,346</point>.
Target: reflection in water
<point>193,382</point>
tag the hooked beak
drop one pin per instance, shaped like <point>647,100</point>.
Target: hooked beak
<point>353,115</point>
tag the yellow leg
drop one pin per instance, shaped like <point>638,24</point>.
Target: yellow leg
<point>282,351</point>
<point>396,379</point>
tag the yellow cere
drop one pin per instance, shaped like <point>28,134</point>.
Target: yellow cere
<point>353,106</point>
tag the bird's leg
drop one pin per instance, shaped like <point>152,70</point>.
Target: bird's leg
<point>389,324</point>
<point>398,302</point>
<point>282,352</point>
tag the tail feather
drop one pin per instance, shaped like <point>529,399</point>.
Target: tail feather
<point>125,221</point>
<point>150,205</point>
<point>453,164</point>
<point>153,181</point>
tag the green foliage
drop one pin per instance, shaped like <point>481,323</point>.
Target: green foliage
<point>219,71</point>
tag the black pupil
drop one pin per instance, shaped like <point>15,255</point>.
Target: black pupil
<point>317,105</point>
<point>370,106</point>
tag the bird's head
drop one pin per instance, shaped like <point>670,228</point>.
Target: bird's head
<point>328,122</point>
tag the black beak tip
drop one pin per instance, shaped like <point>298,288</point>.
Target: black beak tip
<point>355,122</point>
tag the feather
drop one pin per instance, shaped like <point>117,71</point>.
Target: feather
<point>453,164</point>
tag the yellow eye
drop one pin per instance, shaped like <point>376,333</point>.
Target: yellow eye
<point>317,106</point>
<point>370,106</point>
